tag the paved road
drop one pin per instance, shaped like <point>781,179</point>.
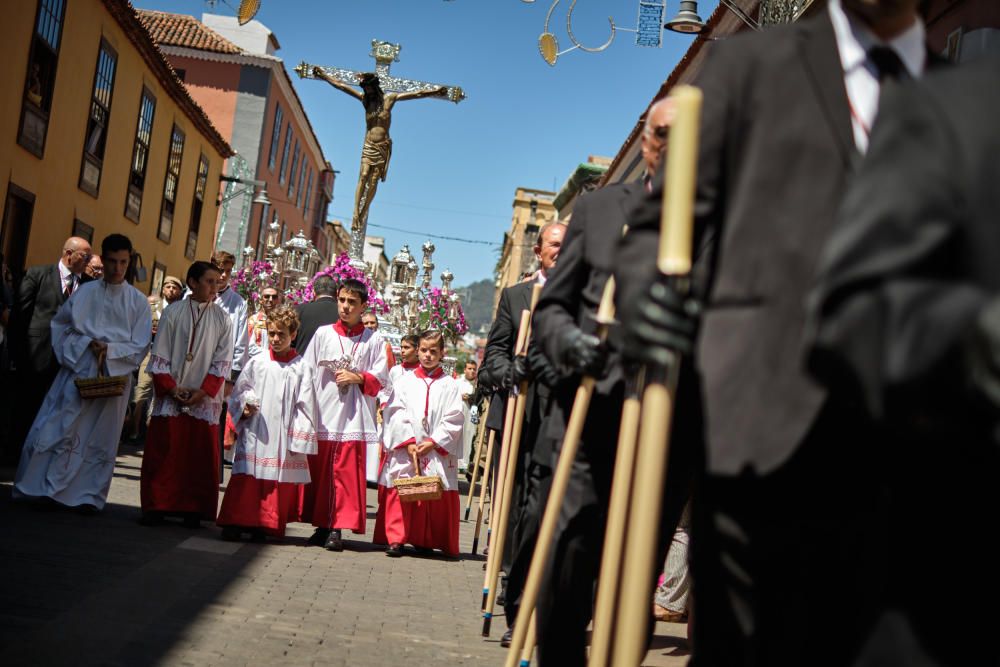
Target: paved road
<point>104,591</point>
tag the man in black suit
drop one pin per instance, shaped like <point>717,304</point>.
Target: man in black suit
<point>322,310</point>
<point>565,326</point>
<point>41,292</point>
<point>497,371</point>
<point>906,320</point>
<point>786,571</point>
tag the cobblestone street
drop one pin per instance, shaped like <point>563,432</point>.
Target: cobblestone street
<point>104,591</point>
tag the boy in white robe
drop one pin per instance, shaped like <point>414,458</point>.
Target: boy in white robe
<point>189,364</point>
<point>273,408</point>
<point>423,419</point>
<point>69,455</point>
<point>348,364</point>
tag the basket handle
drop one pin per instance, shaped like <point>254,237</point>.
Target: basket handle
<point>416,464</point>
<point>101,359</point>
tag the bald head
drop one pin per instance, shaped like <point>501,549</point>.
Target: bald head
<point>76,254</point>
<point>659,118</point>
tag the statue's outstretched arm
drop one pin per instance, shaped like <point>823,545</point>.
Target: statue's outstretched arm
<point>438,91</point>
<point>319,73</point>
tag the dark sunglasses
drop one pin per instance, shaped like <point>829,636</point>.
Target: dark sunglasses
<point>661,132</point>
<point>269,297</point>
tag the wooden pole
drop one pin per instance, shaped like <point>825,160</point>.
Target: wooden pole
<point>557,492</point>
<point>482,492</point>
<point>475,460</point>
<point>529,644</point>
<point>614,536</point>
<point>499,534</point>
<point>673,259</point>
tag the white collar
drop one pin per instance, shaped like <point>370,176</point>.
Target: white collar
<point>854,40</point>
<point>65,273</point>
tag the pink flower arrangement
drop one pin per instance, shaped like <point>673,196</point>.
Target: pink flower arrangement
<point>341,269</point>
<point>434,315</point>
<point>251,280</point>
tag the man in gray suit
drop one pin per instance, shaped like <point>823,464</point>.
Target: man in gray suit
<point>785,565</point>
<point>40,293</point>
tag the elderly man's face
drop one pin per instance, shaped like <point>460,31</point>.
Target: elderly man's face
<point>547,250</point>
<point>76,254</point>
<point>95,267</point>
<point>370,321</point>
<point>654,139</point>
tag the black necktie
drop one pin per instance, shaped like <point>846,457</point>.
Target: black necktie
<point>69,287</point>
<point>887,64</point>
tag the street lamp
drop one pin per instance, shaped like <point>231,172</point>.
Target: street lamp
<point>687,19</point>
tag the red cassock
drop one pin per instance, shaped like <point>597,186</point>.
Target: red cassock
<point>423,406</point>
<point>180,463</point>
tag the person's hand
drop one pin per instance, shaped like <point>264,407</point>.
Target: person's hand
<point>249,411</point>
<point>180,394</point>
<point>520,371</point>
<point>411,449</point>
<point>425,447</point>
<point>193,397</point>
<point>98,347</point>
<point>665,324</point>
<point>582,353</point>
<point>344,378</point>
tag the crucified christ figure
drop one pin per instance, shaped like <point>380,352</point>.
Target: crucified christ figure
<point>377,148</point>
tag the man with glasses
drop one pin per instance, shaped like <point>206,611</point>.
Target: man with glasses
<point>40,294</point>
<point>270,299</point>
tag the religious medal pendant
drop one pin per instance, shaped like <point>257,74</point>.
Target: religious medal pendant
<point>189,357</point>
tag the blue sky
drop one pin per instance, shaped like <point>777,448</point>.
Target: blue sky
<point>454,167</point>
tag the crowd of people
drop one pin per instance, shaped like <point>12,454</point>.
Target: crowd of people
<point>294,398</point>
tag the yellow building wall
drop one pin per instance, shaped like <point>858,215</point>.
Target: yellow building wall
<point>54,178</point>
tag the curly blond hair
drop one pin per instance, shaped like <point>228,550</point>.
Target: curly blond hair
<point>285,316</point>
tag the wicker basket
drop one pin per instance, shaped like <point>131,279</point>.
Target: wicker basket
<point>412,489</point>
<point>102,386</point>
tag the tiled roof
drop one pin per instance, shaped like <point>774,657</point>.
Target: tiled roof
<point>127,17</point>
<point>182,30</point>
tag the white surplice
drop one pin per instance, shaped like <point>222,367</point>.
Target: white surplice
<point>273,443</point>
<point>465,388</point>
<point>211,349</point>
<point>345,416</point>
<point>423,407</point>
<point>69,455</point>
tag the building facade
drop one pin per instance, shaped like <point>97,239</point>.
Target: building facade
<point>233,72</point>
<point>99,136</point>
<point>532,209</point>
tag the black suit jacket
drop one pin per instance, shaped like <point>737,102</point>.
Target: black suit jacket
<point>500,348</point>
<point>39,296</point>
<point>917,253</point>
<point>776,151</point>
<point>312,316</point>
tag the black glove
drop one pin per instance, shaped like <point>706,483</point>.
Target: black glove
<point>665,322</point>
<point>581,353</point>
<point>982,357</point>
<point>540,366</point>
<point>520,371</point>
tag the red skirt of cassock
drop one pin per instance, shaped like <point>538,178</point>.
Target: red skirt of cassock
<point>336,496</point>
<point>180,466</point>
<point>259,503</point>
<point>431,524</point>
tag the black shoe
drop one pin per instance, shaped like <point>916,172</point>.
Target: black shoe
<point>257,535</point>
<point>318,538</point>
<point>87,509</point>
<point>192,520</point>
<point>395,550</point>
<point>507,637</point>
<point>151,519</point>
<point>334,542</point>
<point>502,593</point>
<point>231,533</point>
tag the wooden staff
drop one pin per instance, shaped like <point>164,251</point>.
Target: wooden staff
<point>482,492</point>
<point>673,259</point>
<point>611,566</point>
<point>503,514</point>
<point>496,492</point>
<point>557,492</point>
<point>529,644</point>
<point>475,460</point>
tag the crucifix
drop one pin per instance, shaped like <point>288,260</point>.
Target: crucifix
<point>380,91</point>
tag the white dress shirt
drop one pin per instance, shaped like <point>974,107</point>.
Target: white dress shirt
<point>65,275</point>
<point>854,40</point>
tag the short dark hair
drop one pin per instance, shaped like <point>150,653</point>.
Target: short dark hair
<point>471,361</point>
<point>412,339</point>
<point>114,243</point>
<point>324,286</point>
<point>433,336</point>
<point>355,287</point>
<point>220,257</point>
<point>198,269</point>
